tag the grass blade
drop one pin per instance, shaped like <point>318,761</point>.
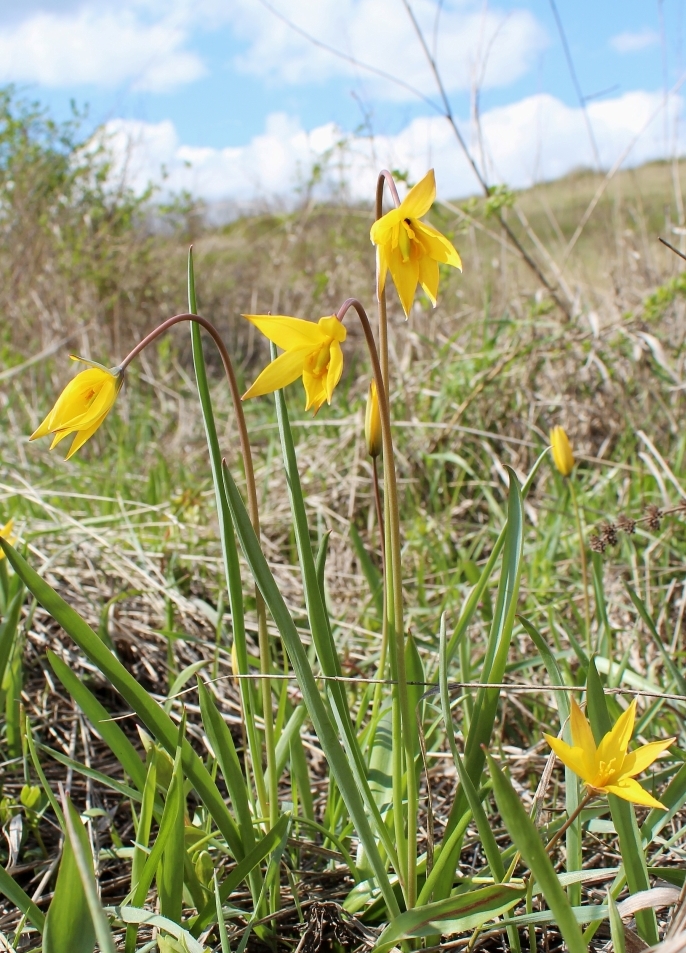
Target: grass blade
<point>527,840</point>
<point>152,714</point>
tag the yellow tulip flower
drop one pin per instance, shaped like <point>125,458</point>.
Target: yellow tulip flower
<point>609,768</point>
<point>311,351</point>
<point>562,451</point>
<point>372,422</point>
<point>411,249</point>
<point>82,406</point>
<point>6,533</point>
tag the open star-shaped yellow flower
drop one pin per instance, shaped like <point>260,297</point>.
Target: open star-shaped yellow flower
<point>82,406</point>
<point>609,768</point>
<point>311,351</point>
<point>410,249</point>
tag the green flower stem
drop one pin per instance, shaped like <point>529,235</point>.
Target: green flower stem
<point>584,567</point>
<point>381,672</point>
<point>394,610</point>
<point>272,807</point>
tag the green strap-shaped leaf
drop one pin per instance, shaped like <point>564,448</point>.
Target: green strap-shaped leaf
<point>153,716</point>
<point>100,718</point>
<point>465,911</point>
<point>225,752</point>
<point>69,923</point>
<point>497,649</point>
<point>21,900</point>
<point>78,839</point>
<point>528,842</point>
<point>328,737</point>
<point>241,871</point>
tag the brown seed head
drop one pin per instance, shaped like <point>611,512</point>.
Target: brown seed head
<point>597,544</point>
<point>608,534</point>
<point>626,524</point>
<point>653,516</point>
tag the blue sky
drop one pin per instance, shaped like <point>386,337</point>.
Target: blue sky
<point>215,89</point>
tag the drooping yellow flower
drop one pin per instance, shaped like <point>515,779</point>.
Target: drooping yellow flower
<point>609,768</point>
<point>311,351</point>
<point>82,406</point>
<point>562,450</point>
<point>410,249</point>
<point>372,422</point>
<point>6,533</point>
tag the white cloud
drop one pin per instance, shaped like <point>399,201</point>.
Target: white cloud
<point>97,45</point>
<point>534,139</point>
<point>632,42</point>
<point>474,43</point>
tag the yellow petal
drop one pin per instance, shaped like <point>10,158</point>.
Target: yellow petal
<point>574,758</point>
<point>381,232</point>
<point>616,741</point>
<point>582,736</point>
<point>83,435</point>
<point>287,333</point>
<point>437,245</point>
<point>405,276</point>
<point>420,198</point>
<point>381,270</point>
<point>630,790</point>
<point>315,390</point>
<point>280,373</point>
<point>335,370</point>
<point>428,277</point>
<point>643,757</point>
<point>332,328</point>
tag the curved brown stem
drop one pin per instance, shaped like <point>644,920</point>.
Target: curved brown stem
<point>235,397</point>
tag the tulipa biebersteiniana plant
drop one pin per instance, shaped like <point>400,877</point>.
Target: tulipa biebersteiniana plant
<point>375,744</point>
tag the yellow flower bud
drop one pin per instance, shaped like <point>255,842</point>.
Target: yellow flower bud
<point>562,451</point>
<point>372,422</point>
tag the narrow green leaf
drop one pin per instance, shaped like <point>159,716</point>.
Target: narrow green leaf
<point>100,718</point>
<point>152,714</point>
<point>477,592</point>
<point>642,610</point>
<point>241,871</point>
<point>616,926</point>
<point>369,570</point>
<point>222,744</point>
<point>328,737</point>
<point>21,900</point>
<point>321,631</point>
<point>146,918</point>
<point>495,660</point>
<point>69,923</point>
<point>83,857</point>
<point>465,911</point>
<point>8,630</point>
<point>526,838</point>
<point>171,867</point>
